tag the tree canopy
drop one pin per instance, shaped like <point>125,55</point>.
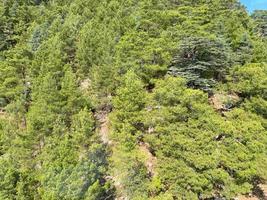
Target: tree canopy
<point>178,89</point>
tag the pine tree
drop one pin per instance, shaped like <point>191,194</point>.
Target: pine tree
<point>260,17</point>
<point>202,61</point>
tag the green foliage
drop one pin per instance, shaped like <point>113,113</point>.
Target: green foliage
<point>14,81</point>
<point>15,17</point>
<point>260,17</point>
<point>201,61</point>
<point>9,177</point>
<point>250,80</point>
<point>129,101</point>
<point>130,97</point>
<point>61,61</point>
<point>213,155</point>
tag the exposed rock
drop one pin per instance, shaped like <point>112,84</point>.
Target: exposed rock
<point>224,102</point>
<point>85,84</point>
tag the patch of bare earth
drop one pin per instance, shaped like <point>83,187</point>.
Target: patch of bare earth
<point>259,194</point>
<point>223,102</point>
<point>103,130</point>
<point>2,114</point>
<point>151,160</point>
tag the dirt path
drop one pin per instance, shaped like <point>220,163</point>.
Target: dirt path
<point>264,190</point>
<point>102,118</point>
<point>103,130</point>
<point>151,160</point>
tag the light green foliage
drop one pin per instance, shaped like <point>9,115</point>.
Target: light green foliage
<point>48,130</point>
<point>250,81</point>
<point>130,97</point>
<point>65,63</point>
<point>129,101</point>
<point>9,177</point>
<point>95,45</point>
<point>14,81</point>
<point>199,152</point>
<point>15,17</point>
<point>127,129</point>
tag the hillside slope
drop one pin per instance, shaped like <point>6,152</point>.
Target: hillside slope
<point>127,99</point>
